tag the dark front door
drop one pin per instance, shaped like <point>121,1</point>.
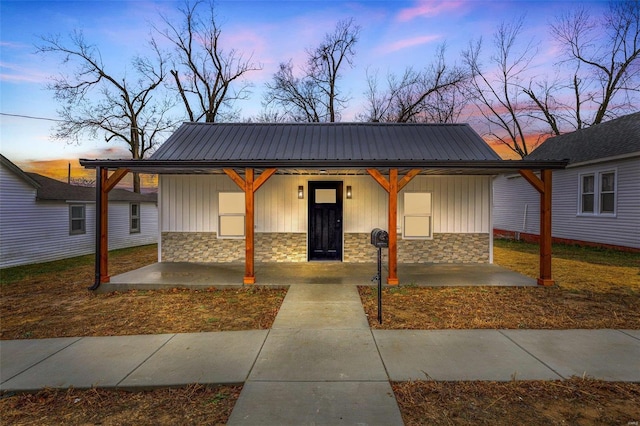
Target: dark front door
<point>325,220</point>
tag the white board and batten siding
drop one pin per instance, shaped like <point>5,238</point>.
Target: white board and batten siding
<point>189,203</point>
<point>513,197</point>
<point>33,231</point>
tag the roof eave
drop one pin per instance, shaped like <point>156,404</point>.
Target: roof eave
<point>165,165</point>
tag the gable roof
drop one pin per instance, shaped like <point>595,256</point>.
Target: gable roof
<point>618,137</point>
<point>324,142</point>
<point>350,147</point>
<point>18,171</point>
<point>54,190</point>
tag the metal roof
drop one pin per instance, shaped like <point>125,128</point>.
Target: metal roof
<point>324,142</point>
<point>605,140</point>
<point>209,147</point>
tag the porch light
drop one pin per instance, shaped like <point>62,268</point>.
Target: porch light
<point>300,192</point>
<point>349,192</point>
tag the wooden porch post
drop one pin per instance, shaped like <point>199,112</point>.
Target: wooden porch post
<point>392,278</point>
<point>249,272</point>
<point>544,186</point>
<point>249,185</point>
<point>545,230</point>
<point>392,186</point>
<point>104,184</point>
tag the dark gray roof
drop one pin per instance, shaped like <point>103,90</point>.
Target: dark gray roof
<point>54,190</point>
<point>340,147</point>
<point>613,138</point>
<point>324,142</point>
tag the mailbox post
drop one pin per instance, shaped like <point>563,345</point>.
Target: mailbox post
<point>380,240</point>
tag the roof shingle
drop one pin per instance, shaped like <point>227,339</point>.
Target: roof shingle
<point>610,139</point>
<point>54,190</point>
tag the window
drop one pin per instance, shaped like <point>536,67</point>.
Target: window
<point>417,223</point>
<point>134,218</point>
<point>77,219</point>
<point>587,193</point>
<point>598,193</point>
<point>607,192</point>
<point>231,213</point>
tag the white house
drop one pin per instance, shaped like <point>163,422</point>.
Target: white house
<point>596,199</point>
<point>308,192</point>
<point>42,219</point>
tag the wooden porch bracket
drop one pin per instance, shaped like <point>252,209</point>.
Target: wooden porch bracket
<point>393,186</point>
<point>543,185</point>
<point>104,184</point>
<point>249,185</point>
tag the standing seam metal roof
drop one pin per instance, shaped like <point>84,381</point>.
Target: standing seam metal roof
<point>324,141</point>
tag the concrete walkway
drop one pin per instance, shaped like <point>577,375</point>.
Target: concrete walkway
<point>320,363</point>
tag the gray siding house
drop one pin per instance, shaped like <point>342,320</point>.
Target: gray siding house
<point>596,199</point>
<point>42,219</point>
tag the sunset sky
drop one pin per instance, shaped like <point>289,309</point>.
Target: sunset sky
<point>394,34</point>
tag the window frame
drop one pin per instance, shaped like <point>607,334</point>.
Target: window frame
<point>231,212</point>
<point>603,192</point>
<point>132,217</point>
<point>598,193</point>
<point>83,219</point>
<point>422,215</point>
<point>582,193</point>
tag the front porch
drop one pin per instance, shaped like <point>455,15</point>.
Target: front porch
<point>204,275</point>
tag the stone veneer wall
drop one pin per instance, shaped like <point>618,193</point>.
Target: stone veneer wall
<point>280,247</point>
<point>292,247</point>
<point>207,247</point>
<point>200,247</point>
<point>443,248</point>
<point>358,249</point>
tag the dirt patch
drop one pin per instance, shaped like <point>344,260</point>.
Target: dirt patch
<point>58,304</point>
<point>195,404</point>
<point>603,292</point>
<point>420,308</point>
<point>575,401</point>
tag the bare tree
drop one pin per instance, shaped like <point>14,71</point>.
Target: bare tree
<point>96,100</point>
<point>315,95</point>
<point>602,54</point>
<point>430,95</point>
<point>497,89</point>
<point>207,78</point>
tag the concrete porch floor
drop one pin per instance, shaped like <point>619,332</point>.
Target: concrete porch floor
<point>202,275</point>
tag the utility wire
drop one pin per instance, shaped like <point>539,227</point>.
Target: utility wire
<point>29,116</point>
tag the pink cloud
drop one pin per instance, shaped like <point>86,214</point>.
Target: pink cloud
<point>427,8</point>
<point>408,42</point>
<point>12,73</point>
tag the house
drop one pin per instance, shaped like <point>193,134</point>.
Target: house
<point>596,199</point>
<point>42,219</point>
<point>314,191</point>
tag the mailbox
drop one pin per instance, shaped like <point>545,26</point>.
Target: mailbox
<point>379,238</point>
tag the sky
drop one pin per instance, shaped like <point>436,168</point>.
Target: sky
<point>394,35</point>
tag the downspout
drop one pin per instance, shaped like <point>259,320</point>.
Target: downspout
<point>98,276</point>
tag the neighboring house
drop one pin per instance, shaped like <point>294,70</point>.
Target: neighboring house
<point>42,219</point>
<point>596,199</point>
<point>314,191</point>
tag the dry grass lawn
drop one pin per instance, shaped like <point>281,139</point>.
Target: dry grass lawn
<point>51,300</point>
<point>594,289</point>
